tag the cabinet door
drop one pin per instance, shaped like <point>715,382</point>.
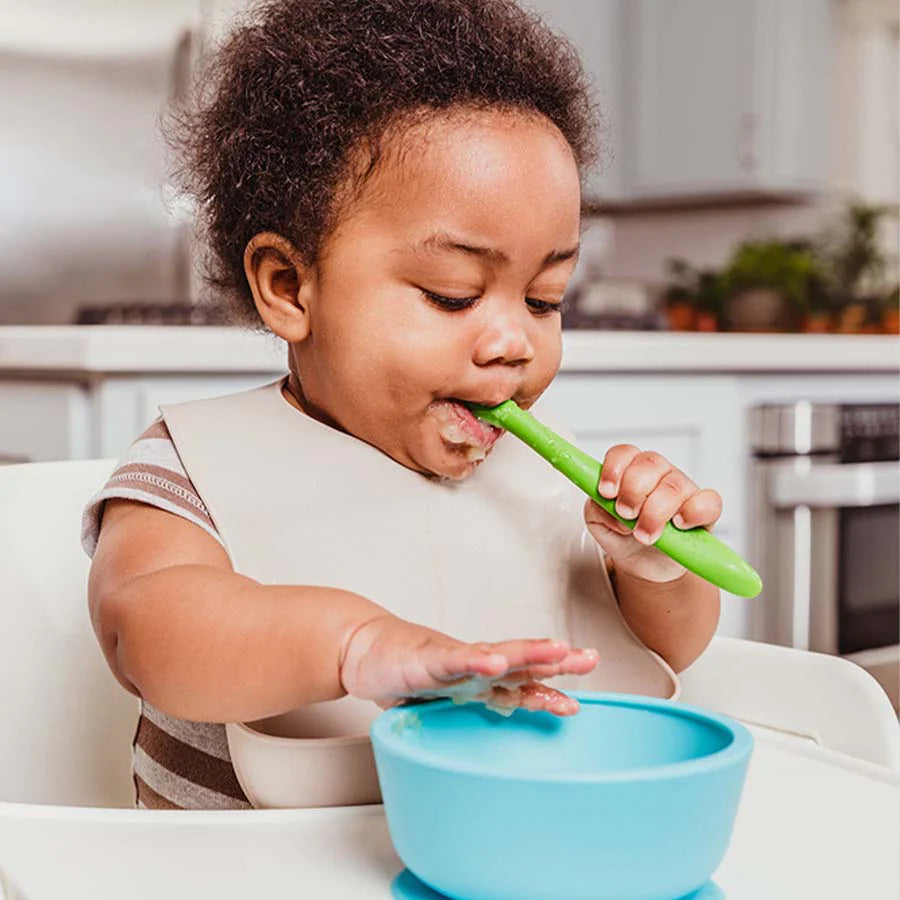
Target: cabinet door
<point>127,405</point>
<point>595,29</point>
<point>694,421</point>
<point>726,97</point>
<point>689,93</point>
<point>42,421</point>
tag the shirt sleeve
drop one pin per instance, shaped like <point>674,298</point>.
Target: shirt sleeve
<point>152,473</point>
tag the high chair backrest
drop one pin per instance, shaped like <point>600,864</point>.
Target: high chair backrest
<point>823,698</point>
<point>67,724</point>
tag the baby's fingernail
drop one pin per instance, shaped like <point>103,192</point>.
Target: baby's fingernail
<point>607,489</point>
<point>626,512</point>
<point>678,521</point>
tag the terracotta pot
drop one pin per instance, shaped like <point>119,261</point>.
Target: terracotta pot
<point>851,319</point>
<point>890,321</point>
<point>681,317</point>
<point>707,321</point>
<point>816,323</point>
<point>758,309</point>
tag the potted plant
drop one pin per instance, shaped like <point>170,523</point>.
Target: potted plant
<point>709,300</point>
<point>819,306</point>
<point>890,312</point>
<point>854,266</point>
<point>766,285</point>
<point>680,296</point>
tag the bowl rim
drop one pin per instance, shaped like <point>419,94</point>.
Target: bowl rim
<point>737,750</point>
<point>277,740</point>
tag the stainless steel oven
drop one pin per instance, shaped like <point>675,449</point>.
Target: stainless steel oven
<point>826,542</point>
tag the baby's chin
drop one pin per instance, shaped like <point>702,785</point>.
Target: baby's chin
<point>459,441</point>
<point>459,461</point>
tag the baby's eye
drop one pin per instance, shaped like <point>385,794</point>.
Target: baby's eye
<point>543,307</point>
<point>451,304</point>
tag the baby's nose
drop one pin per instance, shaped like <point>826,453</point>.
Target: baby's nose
<point>505,338</point>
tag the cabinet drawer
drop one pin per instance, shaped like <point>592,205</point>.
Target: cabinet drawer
<point>127,405</point>
<point>694,422</point>
<point>41,421</point>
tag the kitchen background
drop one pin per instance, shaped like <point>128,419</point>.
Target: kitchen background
<point>728,123</point>
<point>735,305</point>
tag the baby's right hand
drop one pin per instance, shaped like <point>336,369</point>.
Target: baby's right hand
<point>389,660</point>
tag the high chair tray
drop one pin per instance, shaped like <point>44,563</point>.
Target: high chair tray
<point>811,824</point>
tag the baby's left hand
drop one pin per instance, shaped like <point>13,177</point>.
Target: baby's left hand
<point>649,488</point>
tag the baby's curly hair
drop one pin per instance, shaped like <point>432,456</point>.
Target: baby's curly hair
<point>301,87</point>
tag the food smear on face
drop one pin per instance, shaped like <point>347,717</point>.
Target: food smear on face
<point>462,429</point>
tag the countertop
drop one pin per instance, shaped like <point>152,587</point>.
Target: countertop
<point>111,349</point>
<point>811,824</point>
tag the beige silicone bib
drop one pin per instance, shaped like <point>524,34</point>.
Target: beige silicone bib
<point>502,554</point>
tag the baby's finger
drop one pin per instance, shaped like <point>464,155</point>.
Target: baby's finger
<point>663,502</point>
<point>459,661</point>
<point>643,474</point>
<point>489,660</point>
<point>520,654</point>
<point>615,462</point>
<point>536,697</point>
<point>703,508</point>
<point>578,662</point>
<point>597,515</point>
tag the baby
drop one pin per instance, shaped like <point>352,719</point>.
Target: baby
<point>393,188</point>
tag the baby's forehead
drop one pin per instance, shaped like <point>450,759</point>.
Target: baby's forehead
<point>433,149</point>
<point>484,188</point>
<point>419,129</point>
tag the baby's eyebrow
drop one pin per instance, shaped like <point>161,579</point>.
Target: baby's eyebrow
<point>442,241</point>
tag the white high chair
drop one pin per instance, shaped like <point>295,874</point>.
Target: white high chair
<point>67,728</point>
<point>67,723</point>
<point>797,694</point>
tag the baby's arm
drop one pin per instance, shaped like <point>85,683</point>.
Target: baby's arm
<point>673,611</point>
<point>180,628</point>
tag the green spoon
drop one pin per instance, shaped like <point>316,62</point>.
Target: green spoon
<point>695,548</point>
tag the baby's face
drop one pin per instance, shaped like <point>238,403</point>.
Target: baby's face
<point>441,285</point>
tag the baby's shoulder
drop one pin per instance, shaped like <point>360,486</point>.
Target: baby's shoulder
<point>150,472</point>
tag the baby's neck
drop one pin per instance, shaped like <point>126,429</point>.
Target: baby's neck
<point>292,391</point>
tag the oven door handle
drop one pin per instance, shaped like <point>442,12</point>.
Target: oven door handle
<point>835,485</point>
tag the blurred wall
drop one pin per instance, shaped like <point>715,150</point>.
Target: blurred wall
<point>83,212</point>
<point>83,217</point>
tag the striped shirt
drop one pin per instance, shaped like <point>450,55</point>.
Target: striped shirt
<point>177,764</point>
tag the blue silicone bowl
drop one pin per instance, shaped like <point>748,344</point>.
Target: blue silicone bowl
<point>633,798</point>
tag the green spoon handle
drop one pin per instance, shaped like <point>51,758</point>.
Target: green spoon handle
<point>695,548</point>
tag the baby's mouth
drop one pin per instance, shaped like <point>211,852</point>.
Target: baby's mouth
<point>461,428</point>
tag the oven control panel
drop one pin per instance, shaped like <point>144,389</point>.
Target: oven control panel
<point>869,432</point>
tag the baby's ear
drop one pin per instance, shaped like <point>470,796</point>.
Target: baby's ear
<point>280,283</point>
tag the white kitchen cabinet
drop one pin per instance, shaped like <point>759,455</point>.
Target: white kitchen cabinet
<point>726,96</point>
<point>866,136</point>
<point>124,406</point>
<point>697,428</point>
<point>705,99</point>
<point>85,419</point>
<point>43,420</point>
